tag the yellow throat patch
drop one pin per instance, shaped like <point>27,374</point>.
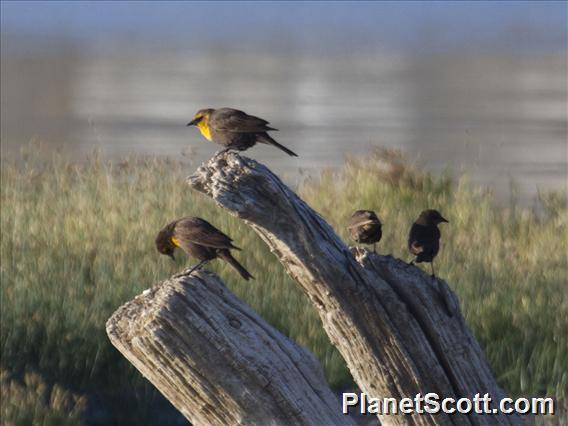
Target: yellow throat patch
<point>175,241</point>
<point>204,129</point>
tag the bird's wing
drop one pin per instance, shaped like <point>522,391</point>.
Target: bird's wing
<point>424,239</point>
<point>233,120</point>
<point>363,217</point>
<point>416,239</point>
<point>416,248</point>
<point>199,231</point>
<point>362,222</point>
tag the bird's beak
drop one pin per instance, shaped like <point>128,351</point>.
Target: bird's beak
<point>194,121</point>
<point>444,220</point>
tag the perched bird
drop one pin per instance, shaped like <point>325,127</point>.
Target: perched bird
<point>365,227</point>
<point>424,237</point>
<point>234,129</point>
<point>199,239</point>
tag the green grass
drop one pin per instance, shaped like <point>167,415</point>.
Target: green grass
<point>78,241</point>
<point>35,402</point>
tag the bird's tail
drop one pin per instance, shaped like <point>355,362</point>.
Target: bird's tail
<point>265,138</point>
<point>228,257</point>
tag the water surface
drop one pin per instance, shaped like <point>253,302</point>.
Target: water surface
<point>500,118</point>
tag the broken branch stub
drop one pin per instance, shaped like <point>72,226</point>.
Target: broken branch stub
<point>217,361</point>
<point>390,322</point>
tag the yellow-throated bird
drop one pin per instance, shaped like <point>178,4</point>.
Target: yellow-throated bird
<point>234,129</point>
<point>365,227</point>
<point>199,239</point>
<point>424,237</point>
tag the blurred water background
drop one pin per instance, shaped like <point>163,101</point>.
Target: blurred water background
<point>475,87</point>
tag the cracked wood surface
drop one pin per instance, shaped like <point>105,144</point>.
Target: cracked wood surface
<point>390,322</point>
<point>217,361</point>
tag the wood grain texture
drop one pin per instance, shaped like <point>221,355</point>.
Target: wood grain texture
<point>400,331</point>
<point>217,361</point>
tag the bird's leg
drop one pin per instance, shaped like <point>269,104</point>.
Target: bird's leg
<point>374,247</point>
<point>188,271</point>
<point>432,266</point>
<point>224,151</point>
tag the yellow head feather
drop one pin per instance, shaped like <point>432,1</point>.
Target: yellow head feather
<point>203,124</point>
<point>203,127</point>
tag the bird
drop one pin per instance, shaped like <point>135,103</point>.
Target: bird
<point>365,227</point>
<point>424,237</point>
<point>198,239</point>
<point>234,129</point>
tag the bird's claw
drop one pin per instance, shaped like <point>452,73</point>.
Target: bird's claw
<point>225,151</point>
<point>189,271</point>
<point>184,273</point>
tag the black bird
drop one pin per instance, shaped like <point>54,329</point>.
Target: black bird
<point>234,129</point>
<point>199,239</point>
<point>424,237</point>
<point>365,227</point>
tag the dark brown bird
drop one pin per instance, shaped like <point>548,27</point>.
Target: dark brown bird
<point>198,239</point>
<point>365,228</point>
<point>424,237</point>
<point>234,129</point>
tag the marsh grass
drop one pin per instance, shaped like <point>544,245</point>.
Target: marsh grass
<point>34,402</point>
<point>78,241</point>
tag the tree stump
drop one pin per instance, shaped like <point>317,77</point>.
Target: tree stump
<point>400,331</point>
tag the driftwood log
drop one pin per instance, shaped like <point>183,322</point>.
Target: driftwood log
<point>400,331</point>
<point>217,361</point>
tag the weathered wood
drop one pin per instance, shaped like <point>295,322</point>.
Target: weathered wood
<point>217,361</point>
<point>389,321</point>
